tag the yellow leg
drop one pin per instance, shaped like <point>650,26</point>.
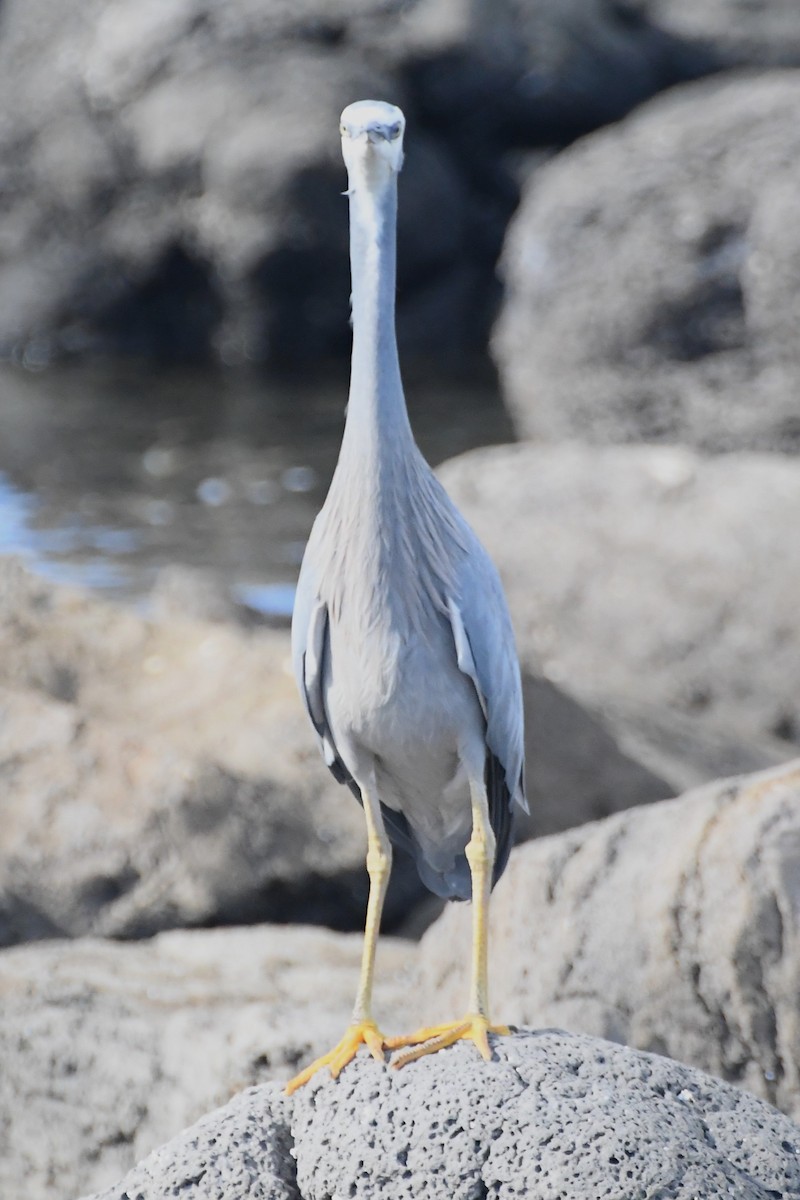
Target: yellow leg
<point>362,1029</point>
<point>476,1025</point>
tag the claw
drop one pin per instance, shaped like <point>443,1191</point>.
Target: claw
<point>375,1042</point>
<point>363,1033</point>
<point>436,1037</point>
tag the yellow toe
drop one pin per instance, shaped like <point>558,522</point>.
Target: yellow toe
<point>428,1040</point>
<point>362,1033</point>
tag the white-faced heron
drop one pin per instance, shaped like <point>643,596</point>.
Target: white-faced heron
<point>401,639</point>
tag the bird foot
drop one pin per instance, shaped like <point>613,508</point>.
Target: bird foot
<point>360,1033</point>
<point>473,1026</point>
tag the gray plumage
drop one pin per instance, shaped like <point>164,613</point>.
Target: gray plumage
<point>402,643</point>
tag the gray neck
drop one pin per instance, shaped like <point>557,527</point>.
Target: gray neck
<point>377,420</point>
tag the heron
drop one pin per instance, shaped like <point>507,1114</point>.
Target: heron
<point>402,642</point>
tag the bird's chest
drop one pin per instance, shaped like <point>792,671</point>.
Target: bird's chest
<point>392,678</point>
<point>394,689</point>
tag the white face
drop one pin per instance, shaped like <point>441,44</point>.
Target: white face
<point>372,140</point>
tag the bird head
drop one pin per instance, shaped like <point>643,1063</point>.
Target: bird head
<point>372,141</point>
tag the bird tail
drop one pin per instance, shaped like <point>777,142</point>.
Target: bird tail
<point>454,882</point>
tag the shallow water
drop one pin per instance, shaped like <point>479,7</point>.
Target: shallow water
<point>108,474</point>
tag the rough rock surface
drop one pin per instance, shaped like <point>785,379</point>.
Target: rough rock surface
<point>553,1114</point>
<point>648,578</point>
<point>172,173</point>
<point>651,274</point>
<point>109,1049</point>
<point>160,773</point>
<point>673,928</point>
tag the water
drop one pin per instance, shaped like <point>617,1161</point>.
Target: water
<point>108,474</point>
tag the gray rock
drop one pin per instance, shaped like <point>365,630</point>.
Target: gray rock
<point>110,1049</point>
<point>242,1150</point>
<point>671,928</point>
<point>651,276</point>
<point>160,772</point>
<point>172,172</point>
<point>759,33</point>
<point>576,768</point>
<point>677,747</point>
<point>652,584</point>
<point>540,75</point>
<point>553,1114</point>
<point>180,591</point>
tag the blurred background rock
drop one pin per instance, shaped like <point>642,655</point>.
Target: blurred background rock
<point>598,258</point>
<point>172,169</point>
<point>174,330</point>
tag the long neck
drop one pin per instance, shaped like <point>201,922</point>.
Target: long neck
<point>384,518</point>
<point>376,413</point>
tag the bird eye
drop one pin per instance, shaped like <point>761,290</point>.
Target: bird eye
<point>393,131</point>
<point>342,129</point>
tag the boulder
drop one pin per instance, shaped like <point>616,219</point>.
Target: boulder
<point>648,580</point>
<point>651,273</point>
<point>553,1114</point>
<point>759,33</point>
<point>108,1049</point>
<point>160,772</point>
<point>672,928</point>
<point>576,769</point>
<point>172,170</point>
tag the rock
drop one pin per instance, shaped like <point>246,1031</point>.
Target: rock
<point>677,747</point>
<point>242,1150</point>
<point>762,33</point>
<point>651,275</point>
<point>553,1114</point>
<point>161,773</point>
<point>172,172</point>
<point>108,1049</point>
<point>180,591</point>
<point>647,581</point>
<point>519,75</point>
<point>576,769</point>
<point>671,928</point>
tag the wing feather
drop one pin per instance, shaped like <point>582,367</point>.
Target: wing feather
<point>310,624</point>
<point>486,652</point>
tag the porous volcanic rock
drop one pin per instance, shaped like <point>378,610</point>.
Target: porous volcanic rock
<point>108,1048</point>
<point>672,928</point>
<point>553,1114</point>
